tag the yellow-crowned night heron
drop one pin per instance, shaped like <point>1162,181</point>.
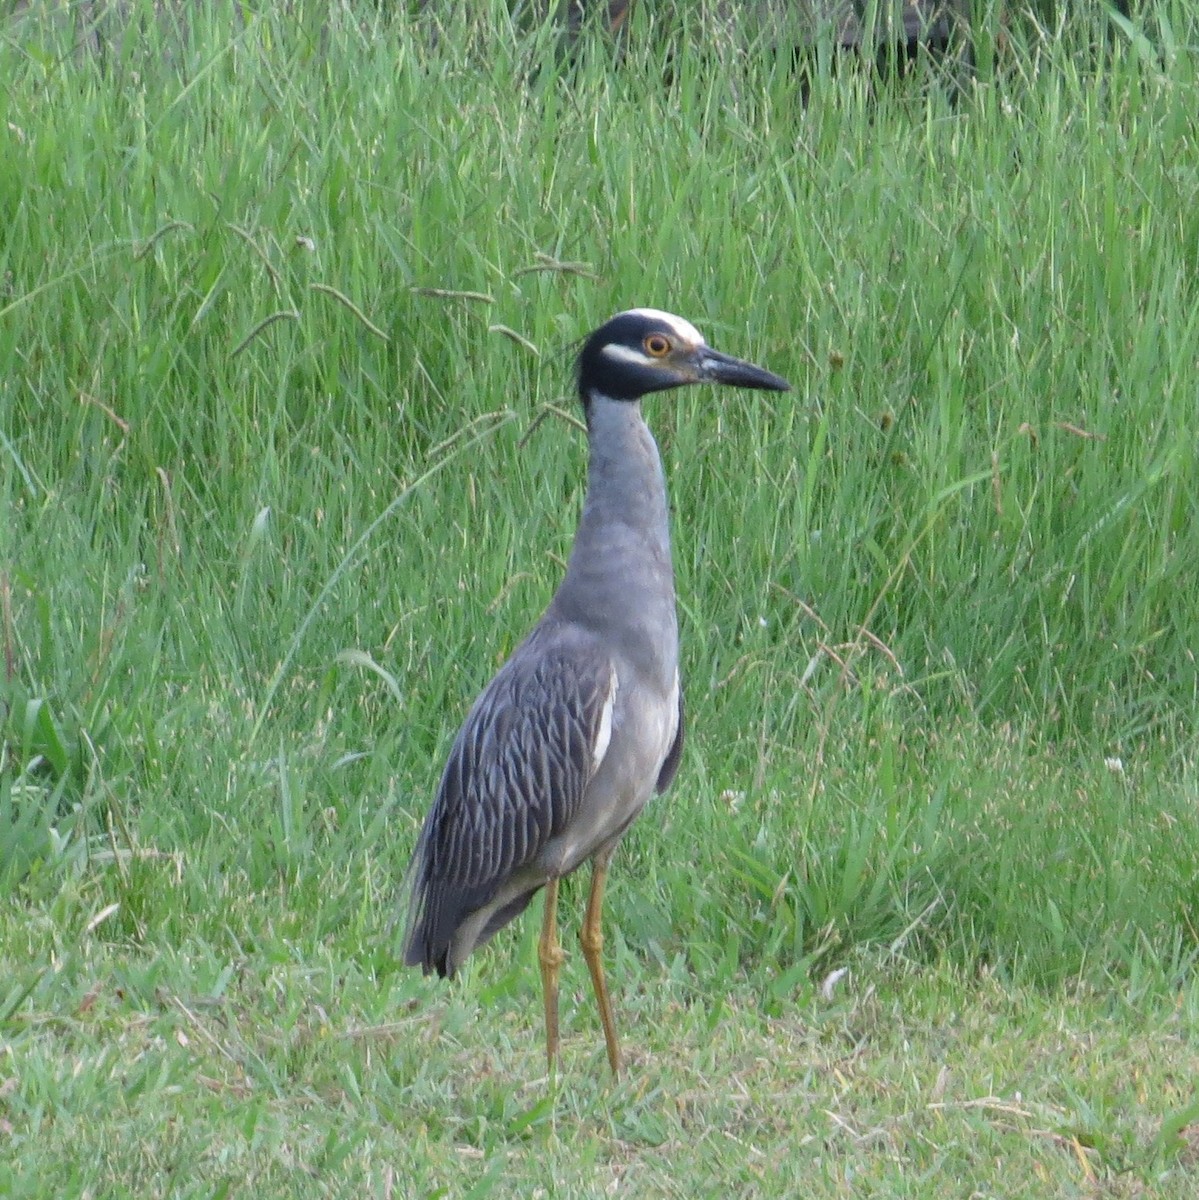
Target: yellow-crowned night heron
<point>585,721</point>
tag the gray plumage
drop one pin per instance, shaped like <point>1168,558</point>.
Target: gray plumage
<point>513,785</point>
<point>566,745</point>
<point>511,809</point>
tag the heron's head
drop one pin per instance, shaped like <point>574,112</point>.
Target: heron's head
<point>645,350</point>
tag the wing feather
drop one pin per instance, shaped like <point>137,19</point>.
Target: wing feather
<point>514,779</point>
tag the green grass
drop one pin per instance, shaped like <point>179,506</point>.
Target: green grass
<point>287,309</point>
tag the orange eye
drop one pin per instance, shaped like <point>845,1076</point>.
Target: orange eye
<point>657,344</point>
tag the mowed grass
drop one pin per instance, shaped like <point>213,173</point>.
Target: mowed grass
<point>287,308</point>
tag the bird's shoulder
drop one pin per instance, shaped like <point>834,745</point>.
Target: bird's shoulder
<point>559,671</point>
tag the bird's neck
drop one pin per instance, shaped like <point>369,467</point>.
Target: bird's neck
<point>620,572</point>
<point>626,488</point>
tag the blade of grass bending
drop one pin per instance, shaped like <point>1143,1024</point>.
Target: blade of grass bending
<point>355,552</point>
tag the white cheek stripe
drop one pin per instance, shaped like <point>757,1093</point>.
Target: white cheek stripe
<point>626,354</point>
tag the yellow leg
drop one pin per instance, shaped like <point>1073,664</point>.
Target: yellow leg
<point>592,938</point>
<point>550,955</point>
